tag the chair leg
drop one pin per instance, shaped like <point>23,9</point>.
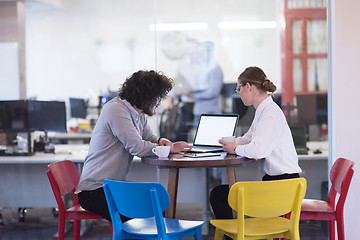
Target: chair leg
<point>340,228</point>
<point>111,229</point>
<point>197,235</point>
<point>218,234</point>
<point>61,227</point>
<point>77,225</point>
<point>331,230</point>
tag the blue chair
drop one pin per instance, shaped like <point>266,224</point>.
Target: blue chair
<point>145,204</point>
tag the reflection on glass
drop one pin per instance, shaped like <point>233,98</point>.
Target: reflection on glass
<point>307,4</point>
<point>317,74</point>
<point>201,46</point>
<point>297,75</point>
<point>316,36</point>
<point>296,36</point>
<point>240,38</point>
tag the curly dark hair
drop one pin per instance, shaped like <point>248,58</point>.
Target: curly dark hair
<point>144,88</point>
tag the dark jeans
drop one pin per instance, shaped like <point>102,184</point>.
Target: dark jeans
<point>219,196</point>
<point>95,201</point>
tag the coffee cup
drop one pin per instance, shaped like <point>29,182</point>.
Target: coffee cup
<point>161,151</point>
<point>228,139</point>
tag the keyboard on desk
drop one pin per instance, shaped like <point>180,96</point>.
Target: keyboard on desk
<point>302,151</point>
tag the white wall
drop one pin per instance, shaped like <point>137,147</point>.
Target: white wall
<point>84,46</point>
<point>345,81</point>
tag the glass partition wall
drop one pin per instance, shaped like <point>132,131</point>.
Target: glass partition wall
<point>202,40</point>
<point>93,47</point>
<point>287,39</point>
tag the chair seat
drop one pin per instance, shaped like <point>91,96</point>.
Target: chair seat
<point>254,226</point>
<point>147,226</point>
<point>313,209</point>
<point>77,212</point>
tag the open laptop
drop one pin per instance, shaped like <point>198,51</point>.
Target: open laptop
<point>210,129</point>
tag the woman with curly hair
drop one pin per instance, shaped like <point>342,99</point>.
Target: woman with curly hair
<point>122,132</point>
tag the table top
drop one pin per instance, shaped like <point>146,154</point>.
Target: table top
<point>78,152</point>
<point>181,161</point>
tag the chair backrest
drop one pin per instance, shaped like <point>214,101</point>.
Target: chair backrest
<point>135,199</point>
<point>266,199</point>
<point>340,176</point>
<point>63,177</point>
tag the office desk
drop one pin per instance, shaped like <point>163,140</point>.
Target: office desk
<point>24,182</point>
<point>23,178</point>
<point>71,137</point>
<point>177,161</point>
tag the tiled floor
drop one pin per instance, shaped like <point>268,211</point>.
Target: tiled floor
<point>41,224</point>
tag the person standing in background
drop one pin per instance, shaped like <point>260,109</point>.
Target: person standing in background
<point>207,95</point>
<point>189,70</point>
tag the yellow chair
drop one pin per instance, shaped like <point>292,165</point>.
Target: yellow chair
<point>260,207</point>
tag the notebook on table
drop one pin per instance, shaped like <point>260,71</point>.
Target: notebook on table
<point>210,129</point>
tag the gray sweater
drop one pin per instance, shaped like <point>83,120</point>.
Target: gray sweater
<point>120,134</point>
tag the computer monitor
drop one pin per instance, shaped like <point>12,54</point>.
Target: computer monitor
<point>48,116</point>
<point>228,93</point>
<point>78,108</point>
<point>312,108</point>
<point>13,116</point>
<point>277,99</point>
<point>246,113</point>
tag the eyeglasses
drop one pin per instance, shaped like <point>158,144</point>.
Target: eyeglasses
<point>237,89</point>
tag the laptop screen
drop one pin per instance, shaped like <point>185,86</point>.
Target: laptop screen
<point>213,127</point>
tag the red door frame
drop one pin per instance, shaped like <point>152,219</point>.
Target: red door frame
<point>303,14</point>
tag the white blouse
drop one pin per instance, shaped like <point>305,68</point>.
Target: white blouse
<point>269,139</point>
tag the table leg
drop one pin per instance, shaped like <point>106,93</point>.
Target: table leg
<point>173,180</point>
<point>230,172</point>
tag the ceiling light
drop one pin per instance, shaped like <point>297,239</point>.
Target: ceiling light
<point>178,26</point>
<point>247,25</point>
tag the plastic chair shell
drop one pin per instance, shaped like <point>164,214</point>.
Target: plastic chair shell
<point>64,177</point>
<point>145,203</point>
<point>260,207</point>
<point>340,176</point>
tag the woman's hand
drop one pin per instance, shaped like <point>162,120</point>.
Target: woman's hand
<point>229,146</point>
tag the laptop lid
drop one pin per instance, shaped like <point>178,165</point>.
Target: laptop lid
<point>213,127</point>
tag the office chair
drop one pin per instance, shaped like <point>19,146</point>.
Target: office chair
<point>64,177</point>
<point>145,204</point>
<point>264,203</point>
<point>340,176</point>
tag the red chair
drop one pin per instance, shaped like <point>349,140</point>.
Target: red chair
<point>64,177</point>
<point>340,176</point>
